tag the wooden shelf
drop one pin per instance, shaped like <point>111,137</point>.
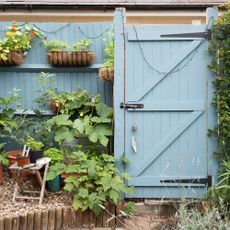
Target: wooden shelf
<point>45,67</point>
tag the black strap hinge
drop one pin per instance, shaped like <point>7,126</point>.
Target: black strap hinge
<point>207,181</point>
<point>206,34</point>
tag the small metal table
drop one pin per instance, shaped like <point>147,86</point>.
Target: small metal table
<point>34,169</point>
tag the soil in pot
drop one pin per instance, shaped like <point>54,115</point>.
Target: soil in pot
<point>35,155</point>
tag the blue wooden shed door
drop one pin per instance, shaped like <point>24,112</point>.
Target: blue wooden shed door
<point>166,140</point>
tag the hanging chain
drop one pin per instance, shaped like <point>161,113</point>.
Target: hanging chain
<point>192,54</point>
<point>93,37</point>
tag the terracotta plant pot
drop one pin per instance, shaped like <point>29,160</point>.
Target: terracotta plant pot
<point>54,105</point>
<point>11,156</point>
<point>1,174</point>
<point>22,160</point>
<point>14,58</point>
<point>106,74</point>
<point>63,58</point>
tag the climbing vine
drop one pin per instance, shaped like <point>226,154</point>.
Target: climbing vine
<point>220,50</point>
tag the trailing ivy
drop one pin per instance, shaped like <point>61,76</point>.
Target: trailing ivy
<point>220,50</point>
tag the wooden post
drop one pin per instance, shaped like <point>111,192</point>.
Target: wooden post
<point>15,223</point>
<point>1,223</point>
<point>8,223</point>
<point>51,220</point>
<point>72,217</point>
<point>58,218</point>
<point>119,85</point>
<point>23,222</point>
<point>65,217</point>
<point>78,215</point>
<point>30,221</point>
<point>44,220</point>
<point>37,220</point>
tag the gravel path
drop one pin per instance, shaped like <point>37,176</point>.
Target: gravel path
<point>8,208</point>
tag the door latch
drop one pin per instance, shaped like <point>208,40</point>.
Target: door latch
<point>131,106</point>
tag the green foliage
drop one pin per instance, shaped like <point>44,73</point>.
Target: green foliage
<point>55,45</point>
<point>46,90</point>
<point>81,115</point>
<point>92,179</point>
<point>130,208</point>
<point>18,38</point>
<point>55,155</point>
<point>82,45</point>
<point>33,144</point>
<point>3,155</point>
<point>194,219</point>
<point>220,50</point>
<point>109,50</point>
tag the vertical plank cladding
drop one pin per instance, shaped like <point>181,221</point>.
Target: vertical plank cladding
<point>167,139</point>
<point>66,79</point>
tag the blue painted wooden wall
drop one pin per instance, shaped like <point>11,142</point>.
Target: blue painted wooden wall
<point>67,79</point>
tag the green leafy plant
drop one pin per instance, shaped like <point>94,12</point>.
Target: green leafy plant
<point>55,45</point>
<point>82,45</point>
<point>56,155</point>
<point>47,89</point>
<point>3,155</point>
<point>33,144</point>
<point>108,62</point>
<point>92,179</point>
<point>82,115</point>
<point>109,54</point>
<point>220,49</point>
<point>18,38</point>
<point>130,208</point>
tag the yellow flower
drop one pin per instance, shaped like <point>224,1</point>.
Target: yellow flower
<point>9,33</point>
<point>16,47</point>
<point>81,114</point>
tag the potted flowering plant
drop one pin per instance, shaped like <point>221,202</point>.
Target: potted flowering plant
<point>15,44</point>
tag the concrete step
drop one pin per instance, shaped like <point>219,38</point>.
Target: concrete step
<point>156,208</point>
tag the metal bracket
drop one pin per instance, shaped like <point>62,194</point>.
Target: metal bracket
<point>207,35</point>
<point>131,106</point>
<point>207,181</point>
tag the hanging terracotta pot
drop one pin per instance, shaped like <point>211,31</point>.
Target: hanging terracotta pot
<point>54,105</point>
<point>106,74</point>
<point>14,58</point>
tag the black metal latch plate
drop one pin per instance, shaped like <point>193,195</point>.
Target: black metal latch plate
<point>207,181</point>
<point>131,106</point>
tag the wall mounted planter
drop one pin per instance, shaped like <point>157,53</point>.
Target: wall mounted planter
<point>63,58</point>
<point>106,74</point>
<point>13,58</point>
